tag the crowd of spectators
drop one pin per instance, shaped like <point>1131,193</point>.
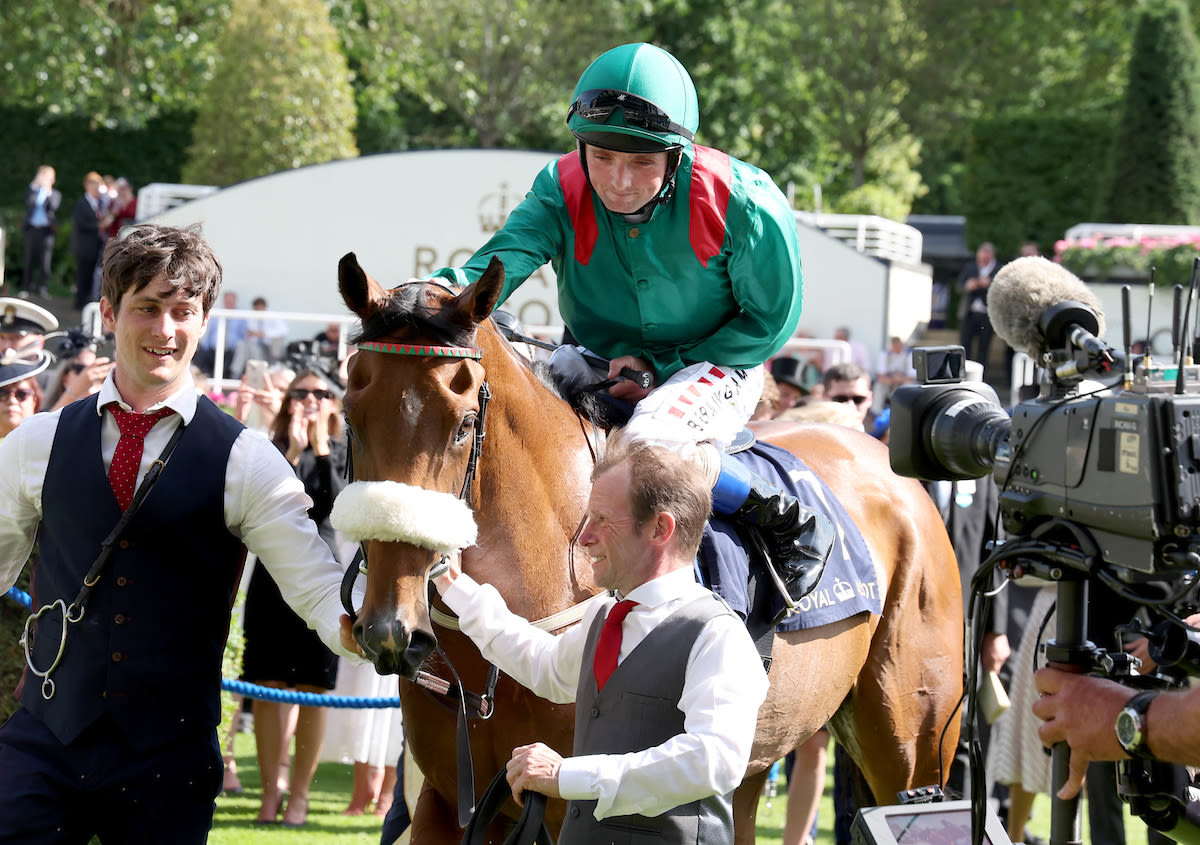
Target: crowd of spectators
<point>105,205</point>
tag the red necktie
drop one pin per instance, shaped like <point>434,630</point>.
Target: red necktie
<point>127,460</point>
<point>608,648</point>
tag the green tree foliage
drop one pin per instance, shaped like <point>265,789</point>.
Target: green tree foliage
<point>865,49</point>
<point>280,96</point>
<point>809,92</point>
<point>502,70</point>
<point>118,62</point>
<point>1054,57</point>
<point>1032,176</point>
<point>893,184</point>
<point>788,86</point>
<point>1155,174</point>
<point>754,95</point>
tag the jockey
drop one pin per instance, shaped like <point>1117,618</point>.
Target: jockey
<point>676,259</point>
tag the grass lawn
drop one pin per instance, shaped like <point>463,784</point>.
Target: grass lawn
<point>234,821</point>
<point>331,788</point>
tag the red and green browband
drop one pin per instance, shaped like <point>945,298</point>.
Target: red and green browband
<point>422,351</point>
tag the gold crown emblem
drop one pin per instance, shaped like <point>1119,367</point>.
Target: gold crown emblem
<point>495,207</point>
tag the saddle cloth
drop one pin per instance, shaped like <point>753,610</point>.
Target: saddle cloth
<point>850,583</point>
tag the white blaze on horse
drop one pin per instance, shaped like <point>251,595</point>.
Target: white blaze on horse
<point>886,683</point>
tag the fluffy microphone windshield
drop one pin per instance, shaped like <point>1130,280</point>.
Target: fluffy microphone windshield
<point>1022,291</point>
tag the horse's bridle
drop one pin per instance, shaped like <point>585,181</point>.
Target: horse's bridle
<point>467,493</point>
<point>482,705</point>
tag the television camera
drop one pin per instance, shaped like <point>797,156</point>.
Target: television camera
<point>1099,480</point>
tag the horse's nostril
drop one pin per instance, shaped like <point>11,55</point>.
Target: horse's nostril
<point>420,646</point>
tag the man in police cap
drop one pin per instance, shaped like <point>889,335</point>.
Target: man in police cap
<point>23,325</point>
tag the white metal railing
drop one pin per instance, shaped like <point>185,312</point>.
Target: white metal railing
<point>869,234</point>
<point>838,350</point>
<point>157,197</point>
<point>91,321</point>
<point>221,325</point>
<point>1133,231</point>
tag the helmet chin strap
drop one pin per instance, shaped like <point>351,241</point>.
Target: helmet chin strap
<point>674,157</point>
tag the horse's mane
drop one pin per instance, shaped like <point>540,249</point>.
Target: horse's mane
<point>406,309</point>
<point>587,404</point>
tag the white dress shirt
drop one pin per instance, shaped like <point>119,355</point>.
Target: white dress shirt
<point>724,687</point>
<point>265,505</point>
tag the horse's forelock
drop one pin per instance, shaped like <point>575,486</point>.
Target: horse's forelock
<point>406,308</point>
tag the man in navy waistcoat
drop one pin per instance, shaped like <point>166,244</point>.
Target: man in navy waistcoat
<point>116,737</point>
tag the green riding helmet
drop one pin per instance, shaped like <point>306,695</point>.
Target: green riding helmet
<point>635,98</point>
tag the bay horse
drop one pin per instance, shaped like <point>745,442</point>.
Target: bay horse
<point>428,357</point>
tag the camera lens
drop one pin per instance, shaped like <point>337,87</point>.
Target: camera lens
<point>964,433</point>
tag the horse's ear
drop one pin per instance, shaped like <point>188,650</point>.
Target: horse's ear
<point>360,292</point>
<point>476,303</point>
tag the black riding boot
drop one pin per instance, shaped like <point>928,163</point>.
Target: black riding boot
<point>797,538</point>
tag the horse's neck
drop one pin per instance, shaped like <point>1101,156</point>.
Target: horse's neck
<point>533,485</point>
<point>540,448</point>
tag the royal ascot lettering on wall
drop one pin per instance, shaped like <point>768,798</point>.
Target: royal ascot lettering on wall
<point>379,206</point>
<point>536,303</point>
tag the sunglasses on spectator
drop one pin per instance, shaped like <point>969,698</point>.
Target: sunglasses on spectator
<point>857,400</point>
<point>21,394</point>
<point>598,104</point>
<point>302,393</point>
<point>77,368</point>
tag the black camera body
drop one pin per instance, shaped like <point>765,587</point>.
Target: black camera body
<point>1125,467</point>
<point>1092,485</point>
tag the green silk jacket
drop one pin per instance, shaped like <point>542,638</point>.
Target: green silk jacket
<point>713,276</point>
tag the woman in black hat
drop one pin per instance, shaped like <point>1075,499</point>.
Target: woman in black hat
<point>20,394</point>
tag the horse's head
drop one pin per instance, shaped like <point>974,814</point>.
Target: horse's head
<point>415,400</point>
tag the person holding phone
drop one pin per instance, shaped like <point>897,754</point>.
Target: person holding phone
<point>259,399</point>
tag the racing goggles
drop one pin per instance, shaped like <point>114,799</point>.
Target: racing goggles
<point>598,104</point>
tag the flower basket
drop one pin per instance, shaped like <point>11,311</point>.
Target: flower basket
<point>1102,259</point>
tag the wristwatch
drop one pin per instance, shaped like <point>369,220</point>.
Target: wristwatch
<point>1131,725</point>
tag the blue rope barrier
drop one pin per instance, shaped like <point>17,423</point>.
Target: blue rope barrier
<point>307,698</point>
<point>266,693</point>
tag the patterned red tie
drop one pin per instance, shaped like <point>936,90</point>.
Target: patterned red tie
<point>127,460</point>
<point>608,648</point>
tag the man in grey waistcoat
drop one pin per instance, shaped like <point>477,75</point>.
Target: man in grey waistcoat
<point>666,682</point>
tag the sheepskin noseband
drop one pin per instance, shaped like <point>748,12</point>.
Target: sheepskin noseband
<point>400,513</point>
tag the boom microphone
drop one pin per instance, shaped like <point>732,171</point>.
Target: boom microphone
<point>1022,294</point>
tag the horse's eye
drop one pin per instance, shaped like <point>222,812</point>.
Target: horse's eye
<point>465,429</point>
